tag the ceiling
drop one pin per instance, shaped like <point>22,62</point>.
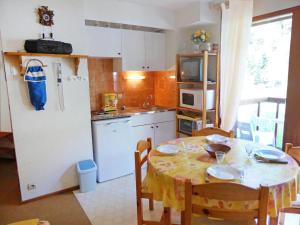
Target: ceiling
<point>169,4</point>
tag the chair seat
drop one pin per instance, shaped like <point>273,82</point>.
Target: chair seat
<point>208,221</point>
<point>296,204</point>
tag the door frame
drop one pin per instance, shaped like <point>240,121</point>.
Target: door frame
<point>292,112</point>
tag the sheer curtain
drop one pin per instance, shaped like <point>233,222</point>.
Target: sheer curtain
<point>236,28</point>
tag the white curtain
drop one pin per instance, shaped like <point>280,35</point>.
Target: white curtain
<point>236,28</point>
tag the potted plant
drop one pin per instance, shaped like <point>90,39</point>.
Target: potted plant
<point>200,39</point>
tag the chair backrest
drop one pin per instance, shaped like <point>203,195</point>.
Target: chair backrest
<point>140,158</point>
<point>293,151</point>
<point>213,130</point>
<point>245,131</point>
<point>226,192</point>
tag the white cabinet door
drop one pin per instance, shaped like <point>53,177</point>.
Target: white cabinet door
<point>155,51</point>
<point>142,133</point>
<point>104,42</point>
<point>133,50</point>
<point>113,153</point>
<point>164,132</point>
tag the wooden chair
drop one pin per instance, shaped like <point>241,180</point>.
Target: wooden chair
<point>140,159</point>
<point>295,208</point>
<point>213,130</point>
<point>226,192</point>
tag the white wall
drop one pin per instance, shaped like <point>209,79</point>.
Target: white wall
<point>5,125</point>
<point>119,11</point>
<point>196,13</point>
<point>48,143</point>
<point>266,6</point>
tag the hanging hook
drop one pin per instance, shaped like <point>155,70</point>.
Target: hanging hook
<point>27,65</point>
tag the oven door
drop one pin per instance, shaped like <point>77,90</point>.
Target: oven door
<point>186,126</point>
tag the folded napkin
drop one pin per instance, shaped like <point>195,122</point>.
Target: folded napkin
<point>263,160</point>
<point>36,79</point>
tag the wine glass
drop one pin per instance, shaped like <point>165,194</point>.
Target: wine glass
<point>220,156</point>
<point>249,150</point>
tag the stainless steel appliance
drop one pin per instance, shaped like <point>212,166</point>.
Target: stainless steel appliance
<point>192,98</point>
<point>191,69</point>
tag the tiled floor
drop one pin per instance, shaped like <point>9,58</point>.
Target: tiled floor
<point>113,203</point>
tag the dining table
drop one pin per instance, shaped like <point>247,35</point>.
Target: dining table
<point>166,174</point>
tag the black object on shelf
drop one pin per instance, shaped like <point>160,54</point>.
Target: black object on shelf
<point>47,46</point>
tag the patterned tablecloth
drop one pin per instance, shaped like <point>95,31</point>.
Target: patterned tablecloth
<point>166,174</point>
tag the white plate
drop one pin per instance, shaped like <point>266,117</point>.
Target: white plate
<point>168,149</point>
<point>270,154</point>
<point>216,138</point>
<point>223,172</point>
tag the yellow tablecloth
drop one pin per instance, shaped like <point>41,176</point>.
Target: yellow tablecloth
<point>166,175</point>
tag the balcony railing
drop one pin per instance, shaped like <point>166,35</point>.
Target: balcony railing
<point>261,121</point>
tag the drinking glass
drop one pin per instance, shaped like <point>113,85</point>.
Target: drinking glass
<point>220,156</point>
<point>249,149</point>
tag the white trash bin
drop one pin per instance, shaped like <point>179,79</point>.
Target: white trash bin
<point>87,173</point>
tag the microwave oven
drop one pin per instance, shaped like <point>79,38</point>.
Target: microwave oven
<point>192,99</point>
<point>187,124</point>
<point>191,69</point>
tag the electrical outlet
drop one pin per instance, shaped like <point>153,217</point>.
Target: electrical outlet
<point>31,187</point>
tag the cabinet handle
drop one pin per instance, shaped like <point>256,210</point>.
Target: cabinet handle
<point>143,67</point>
<point>156,126</point>
<point>148,67</point>
<point>152,127</point>
<point>119,53</point>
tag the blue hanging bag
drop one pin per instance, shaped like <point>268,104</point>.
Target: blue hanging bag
<point>36,79</point>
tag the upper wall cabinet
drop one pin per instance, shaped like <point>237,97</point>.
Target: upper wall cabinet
<point>143,51</point>
<point>104,42</point>
<point>133,49</point>
<point>155,51</point>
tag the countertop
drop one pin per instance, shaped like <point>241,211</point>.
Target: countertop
<point>128,112</point>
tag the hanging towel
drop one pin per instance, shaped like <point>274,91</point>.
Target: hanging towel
<point>36,79</point>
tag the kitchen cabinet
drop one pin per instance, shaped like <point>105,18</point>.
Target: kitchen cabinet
<point>142,133</point>
<point>133,49</point>
<point>115,140</point>
<point>160,127</point>
<point>104,42</point>
<point>113,151</point>
<point>143,51</point>
<point>164,132</point>
<point>155,51</point>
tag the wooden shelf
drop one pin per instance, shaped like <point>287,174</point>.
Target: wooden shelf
<point>195,110</point>
<point>195,82</point>
<point>188,109</point>
<point>198,54</point>
<point>44,55</point>
<point>76,58</point>
<point>202,86</point>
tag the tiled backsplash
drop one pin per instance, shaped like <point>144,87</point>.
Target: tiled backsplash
<point>158,88</point>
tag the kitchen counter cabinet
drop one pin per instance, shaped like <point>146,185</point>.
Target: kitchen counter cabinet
<point>115,140</point>
<point>159,127</point>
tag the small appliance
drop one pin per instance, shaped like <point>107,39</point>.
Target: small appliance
<point>188,124</point>
<point>191,69</point>
<point>192,98</point>
<point>110,101</point>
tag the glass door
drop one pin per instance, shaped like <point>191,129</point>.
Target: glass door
<point>262,109</point>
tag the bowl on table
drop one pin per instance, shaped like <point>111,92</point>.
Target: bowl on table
<point>213,148</point>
